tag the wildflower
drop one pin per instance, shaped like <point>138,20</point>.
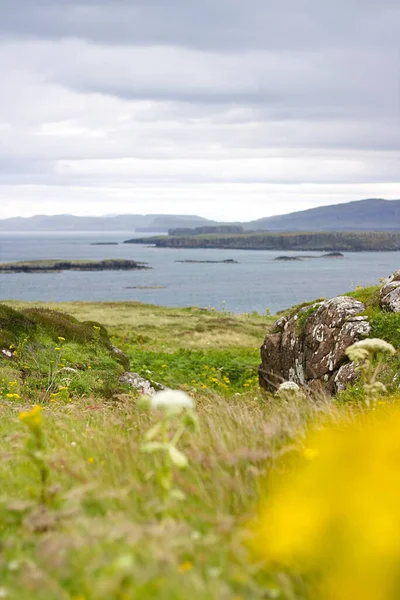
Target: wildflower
<point>338,517</point>
<point>163,366</point>
<point>32,418</point>
<point>57,349</point>
<point>90,460</point>
<point>186,566</point>
<point>61,339</point>
<point>289,385</point>
<point>13,396</point>
<point>310,453</point>
<point>12,383</point>
<point>174,400</point>
<point>364,348</point>
<point>96,328</point>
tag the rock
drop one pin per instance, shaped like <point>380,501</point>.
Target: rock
<point>144,386</point>
<point>120,356</point>
<point>308,347</point>
<point>389,295</point>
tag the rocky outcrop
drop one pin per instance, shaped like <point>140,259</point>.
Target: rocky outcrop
<point>389,295</point>
<point>308,347</point>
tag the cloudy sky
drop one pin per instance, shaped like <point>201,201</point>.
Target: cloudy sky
<point>232,109</point>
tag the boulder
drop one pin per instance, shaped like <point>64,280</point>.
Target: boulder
<point>389,295</point>
<point>308,347</point>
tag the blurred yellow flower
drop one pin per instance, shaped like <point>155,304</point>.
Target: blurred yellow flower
<point>337,517</point>
<point>32,418</point>
<point>186,566</point>
<point>90,460</point>
<point>61,339</point>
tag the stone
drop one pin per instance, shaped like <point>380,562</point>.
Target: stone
<point>144,386</point>
<point>389,295</point>
<point>309,347</point>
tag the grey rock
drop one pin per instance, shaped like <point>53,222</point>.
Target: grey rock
<point>308,347</point>
<point>389,295</point>
<point>144,386</point>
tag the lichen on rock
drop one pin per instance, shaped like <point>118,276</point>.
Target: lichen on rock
<point>309,346</point>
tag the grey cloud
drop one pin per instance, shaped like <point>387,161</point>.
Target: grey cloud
<point>118,95</point>
<point>219,24</point>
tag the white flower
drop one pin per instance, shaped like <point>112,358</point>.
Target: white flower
<point>288,386</point>
<point>362,349</point>
<point>172,400</point>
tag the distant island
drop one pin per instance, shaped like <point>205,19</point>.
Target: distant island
<point>227,261</point>
<point>51,266</point>
<point>339,241</point>
<point>307,256</point>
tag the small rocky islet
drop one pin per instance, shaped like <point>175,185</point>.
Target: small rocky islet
<point>308,256</point>
<point>54,266</point>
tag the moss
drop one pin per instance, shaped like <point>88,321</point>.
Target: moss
<point>12,325</point>
<point>58,324</point>
<point>304,316</point>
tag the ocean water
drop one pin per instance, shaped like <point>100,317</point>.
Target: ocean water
<point>256,283</point>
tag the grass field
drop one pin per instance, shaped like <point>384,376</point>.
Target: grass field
<point>85,512</point>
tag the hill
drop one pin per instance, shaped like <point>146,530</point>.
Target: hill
<point>150,223</point>
<point>362,215</point>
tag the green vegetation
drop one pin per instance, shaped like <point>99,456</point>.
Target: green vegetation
<point>105,499</point>
<point>323,241</point>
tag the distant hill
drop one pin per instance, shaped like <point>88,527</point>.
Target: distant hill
<point>150,223</point>
<point>362,215</point>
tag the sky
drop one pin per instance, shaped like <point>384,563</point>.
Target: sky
<point>230,109</point>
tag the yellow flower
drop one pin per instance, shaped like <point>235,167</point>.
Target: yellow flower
<point>61,339</point>
<point>12,383</point>
<point>186,566</point>
<point>338,517</point>
<point>90,460</point>
<point>13,396</point>
<point>57,349</point>
<point>310,453</point>
<point>32,418</point>
<point>163,366</point>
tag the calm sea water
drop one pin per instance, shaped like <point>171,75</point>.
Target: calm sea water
<point>255,284</point>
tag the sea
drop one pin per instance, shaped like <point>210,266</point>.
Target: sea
<point>256,282</point>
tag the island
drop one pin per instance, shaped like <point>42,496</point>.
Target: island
<point>324,241</point>
<point>51,266</point>
<point>307,256</point>
<point>227,261</point>
<point>104,243</point>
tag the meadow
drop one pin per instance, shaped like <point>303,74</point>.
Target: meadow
<point>103,498</point>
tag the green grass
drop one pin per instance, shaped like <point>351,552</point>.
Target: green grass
<point>99,537</point>
<point>103,532</point>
